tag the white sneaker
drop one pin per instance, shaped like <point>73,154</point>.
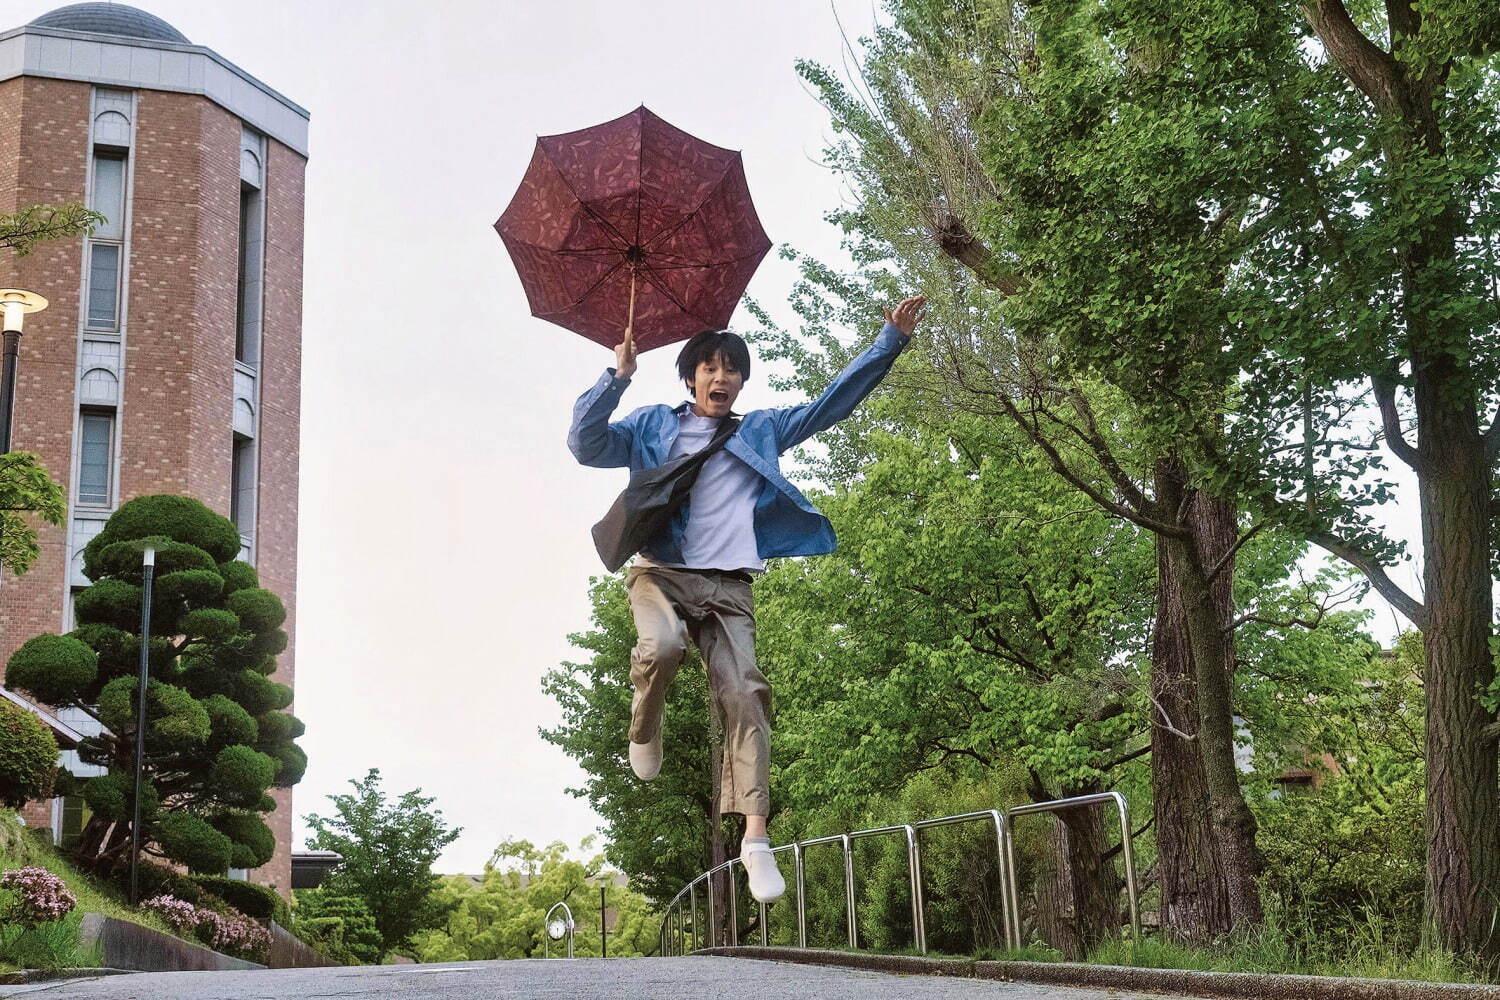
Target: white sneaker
<point>764,878</point>
<point>645,758</point>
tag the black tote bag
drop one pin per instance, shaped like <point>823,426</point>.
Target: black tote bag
<point>647,504</point>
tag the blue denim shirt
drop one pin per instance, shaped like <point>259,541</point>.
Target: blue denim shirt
<point>786,522</point>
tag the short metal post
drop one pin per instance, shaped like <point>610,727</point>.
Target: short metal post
<point>764,931</point>
<point>734,905</point>
<point>1002,834</point>
<point>693,903</point>
<point>1127,850</point>
<point>713,930</point>
<point>853,921</point>
<point>801,895</point>
<point>914,859</point>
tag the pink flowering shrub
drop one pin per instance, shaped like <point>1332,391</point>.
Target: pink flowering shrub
<point>233,933</point>
<point>179,914</point>
<point>41,897</point>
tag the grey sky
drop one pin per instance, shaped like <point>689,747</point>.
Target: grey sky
<point>445,552</point>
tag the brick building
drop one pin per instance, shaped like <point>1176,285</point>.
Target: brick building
<point>169,359</point>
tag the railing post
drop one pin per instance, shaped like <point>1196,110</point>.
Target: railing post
<point>734,905</point>
<point>801,895</point>
<point>713,930</point>
<point>848,846</point>
<point>765,938</point>
<point>1002,834</point>
<point>1128,852</point>
<point>693,903</point>
<point>914,859</point>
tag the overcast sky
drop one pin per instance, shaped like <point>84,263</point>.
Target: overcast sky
<point>445,552</point>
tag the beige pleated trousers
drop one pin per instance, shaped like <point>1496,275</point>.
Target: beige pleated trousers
<point>717,612</point>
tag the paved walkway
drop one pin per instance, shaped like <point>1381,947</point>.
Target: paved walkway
<point>561,979</point>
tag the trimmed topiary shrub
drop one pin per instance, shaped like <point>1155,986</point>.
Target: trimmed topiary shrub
<point>112,797</point>
<point>258,901</point>
<point>215,636</point>
<point>51,667</point>
<point>359,935</point>
<point>189,839</point>
<point>28,756</point>
<point>253,842</point>
<point>260,610</point>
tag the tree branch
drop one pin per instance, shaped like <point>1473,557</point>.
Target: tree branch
<point>1492,439</point>
<point>1390,420</point>
<point>1238,544</point>
<point>954,239</point>
<point>1369,67</point>
<point>1361,560</point>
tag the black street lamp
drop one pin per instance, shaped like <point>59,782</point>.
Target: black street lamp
<point>148,570</point>
<point>15,303</point>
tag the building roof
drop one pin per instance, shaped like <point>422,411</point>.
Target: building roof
<point>67,736</point>
<point>111,19</point>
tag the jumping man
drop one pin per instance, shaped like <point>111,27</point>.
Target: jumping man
<point>693,581</point>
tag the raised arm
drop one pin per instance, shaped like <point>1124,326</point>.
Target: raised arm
<point>796,424</point>
<point>592,439</point>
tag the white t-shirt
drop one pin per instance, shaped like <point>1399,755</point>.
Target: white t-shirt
<point>720,531</point>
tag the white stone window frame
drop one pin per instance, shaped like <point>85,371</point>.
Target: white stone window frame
<point>245,405</point>
<point>85,519</point>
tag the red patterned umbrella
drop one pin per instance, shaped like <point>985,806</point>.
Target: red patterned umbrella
<point>633,221</point>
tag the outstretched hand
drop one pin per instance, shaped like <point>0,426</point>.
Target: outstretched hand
<point>625,355</point>
<point>907,314</point>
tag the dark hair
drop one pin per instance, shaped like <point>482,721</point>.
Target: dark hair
<point>705,345</point>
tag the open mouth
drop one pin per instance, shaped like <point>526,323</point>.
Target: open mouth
<point>718,396</point>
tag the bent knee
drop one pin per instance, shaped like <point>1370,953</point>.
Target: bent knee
<point>659,651</point>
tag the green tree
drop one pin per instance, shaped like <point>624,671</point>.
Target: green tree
<point>388,849</point>
<point>25,488</point>
<point>28,757</point>
<point>341,924</point>
<point>501,915</point>
<point>22,231</point>
<point>217,737</point>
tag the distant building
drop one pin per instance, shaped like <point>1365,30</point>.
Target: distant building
<point>169,359</point>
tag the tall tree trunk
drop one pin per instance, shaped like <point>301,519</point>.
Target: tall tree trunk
<point>1194,900</point>
<point>1078,895</point>
<point>1463,814</point>
<point>1208,610</point>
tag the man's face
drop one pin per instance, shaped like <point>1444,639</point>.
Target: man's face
<point>715,387</point>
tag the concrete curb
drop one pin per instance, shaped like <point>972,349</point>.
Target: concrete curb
<point>1226,985</point>
<point>22,977</point>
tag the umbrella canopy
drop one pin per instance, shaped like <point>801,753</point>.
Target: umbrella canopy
<point>633,217</point>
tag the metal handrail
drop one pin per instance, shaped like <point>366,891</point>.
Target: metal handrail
<point>1010,911</point>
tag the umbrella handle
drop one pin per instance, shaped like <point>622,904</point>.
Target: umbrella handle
<point>630,322</point>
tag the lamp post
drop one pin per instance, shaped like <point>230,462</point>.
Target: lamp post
<point>148,570</point>
<point>15,303</point>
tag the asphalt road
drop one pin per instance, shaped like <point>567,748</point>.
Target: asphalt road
<point>563,979</point>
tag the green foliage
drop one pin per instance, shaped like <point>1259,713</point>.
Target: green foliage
<point>229,723</point>
<point>28,756</point>
<point>53,668</point>
<point>499,918</point>
<point>180,518</point>
<point>112,797</point>
<point>253,843</point>
<point>21,232</point>
<point>240,775</point>
<point>191,841</point>
<point>260,610</point>
<point>388,849</point>
<point>258,901</point>
<point>277,727</point>
<point>50,946</point>
<point>205,754</point>
<point>25,487</point>
<point>238,575</point>
<point>342,922</point>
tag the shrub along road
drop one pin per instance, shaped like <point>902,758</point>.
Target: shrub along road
<point>584,979</point>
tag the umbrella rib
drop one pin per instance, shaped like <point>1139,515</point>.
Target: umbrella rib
<point>694,213</point>
<point>712,263</point>
<point>586,206</point>
<point>675,300</point>
<point>591,289</point>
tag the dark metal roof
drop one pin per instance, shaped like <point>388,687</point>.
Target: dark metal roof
<point>111,19</point>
